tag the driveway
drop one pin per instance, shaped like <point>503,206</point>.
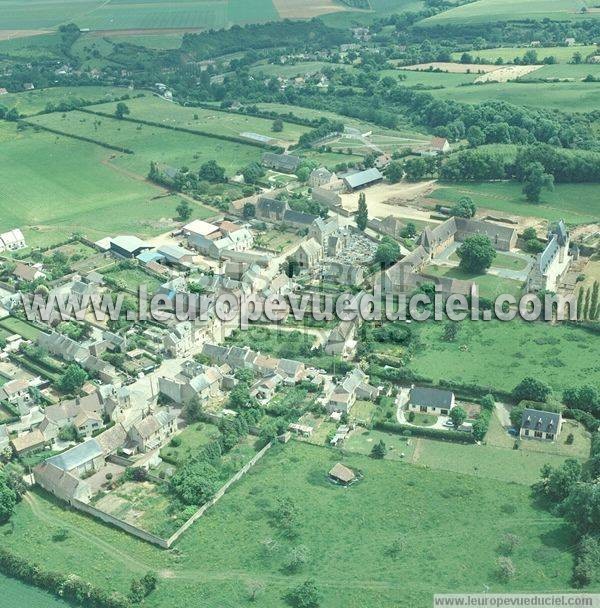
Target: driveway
<point>402,400</point>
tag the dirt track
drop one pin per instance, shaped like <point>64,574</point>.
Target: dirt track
<point>10,34</point>
<point>392,199</point>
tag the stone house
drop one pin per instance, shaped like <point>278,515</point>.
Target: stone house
<point>152,432</point>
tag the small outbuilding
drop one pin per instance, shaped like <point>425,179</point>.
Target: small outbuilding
<point>342,475</point>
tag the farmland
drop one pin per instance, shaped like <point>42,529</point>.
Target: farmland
<point>213,121</point>
<point>501,354</point>
<point>151,143</point>
<point>125,15</point>
<point>484,11</point>
<point>580,97</point>
<point>39,170</point>
<point>575,203</point>
<point>32,102</point>
<point>359,524</point>
<point>563,54</point>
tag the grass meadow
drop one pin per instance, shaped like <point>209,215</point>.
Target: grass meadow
<point>165,146</point>
<point>566,96</point>
<point>575,203</point>
<point>53,186</point>
<point>501,354</point>
<point>386,541</point>
<point>219,123</point>
<point>32,102</point>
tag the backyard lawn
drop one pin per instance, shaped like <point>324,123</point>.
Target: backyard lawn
<point>490,286</point>
<point>14,325</point>
<point>192,438</point>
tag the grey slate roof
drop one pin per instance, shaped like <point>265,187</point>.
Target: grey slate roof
<point>539,420</point>
<point>78,455</point>
<point>362,178</point>
<point>430,397</point>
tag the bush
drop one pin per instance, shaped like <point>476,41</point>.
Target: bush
<point>402,429</point>
<point>506,569</point>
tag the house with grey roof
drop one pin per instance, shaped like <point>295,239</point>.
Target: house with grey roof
<point>297,219</point>
<point>270,209</point>
<point>61,483</point>
<point>355,385</point>
<point>341,340</point>
<point>151,432</point>
<point>430,400</point>
<point>540,424</point>
<point>320,177</point>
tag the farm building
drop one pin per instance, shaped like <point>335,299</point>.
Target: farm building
<point>128,246</point>
<point>176,255</point>
<point>362,179</point>
<point>342,474</point>
<point>285,163</point>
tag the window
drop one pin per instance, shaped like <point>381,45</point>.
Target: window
<point>526,431</point>
<point>549,435</point>
<point>538,434</point>
<point>423,408</point>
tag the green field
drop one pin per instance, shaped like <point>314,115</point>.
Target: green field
<point>501,354</point>
<point>489,462</point>
<point>220,123</point>
<point>565,70</point>
<point>239,544</point>
<point>125,14</point>
<point>563,54</point>
<point>565,96</point>
<point>429,79</point>
<point>350,18</point>
<point>53,186</point>
<point>17,594</point>
<point>32,102</point>
<point>484,11</point>
<point>362,126</point>
<point>165,146</point>
<point>575,203</point>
